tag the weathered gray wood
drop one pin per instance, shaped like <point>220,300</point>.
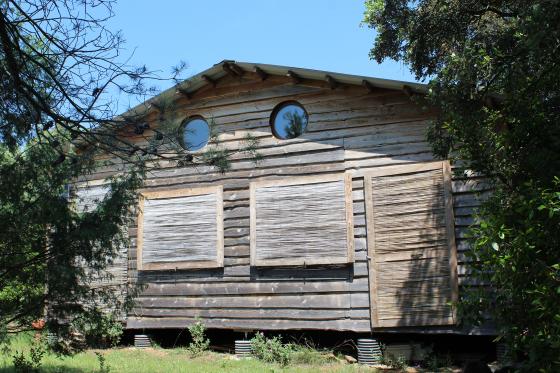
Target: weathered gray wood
<point>181,228</point>
<point>201,289</point>
<point>251,324</point>
<point>300,221</point>
<point>410,242</point>
<point>326,301</point>
<point>286,314</point>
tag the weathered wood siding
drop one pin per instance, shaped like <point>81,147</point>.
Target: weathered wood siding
<point>349,131</point>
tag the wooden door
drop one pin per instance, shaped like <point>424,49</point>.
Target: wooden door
<point>411,245</point>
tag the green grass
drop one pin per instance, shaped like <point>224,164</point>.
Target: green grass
<point>123,360</point>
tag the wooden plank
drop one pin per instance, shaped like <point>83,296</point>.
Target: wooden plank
<point>253,223</point>
<point>181,192</point>
<point>174,265</point>
<point>277,314</point>
<point>220,226</point>
<point>349,217</point>
<point>254,288</point>
<point>368,192</point>
<point>453,281</point>
<point>325,301</point>
<point>140,232</point>
<point>302,180</point>
<point>253,324</point>
<point>400,169</point>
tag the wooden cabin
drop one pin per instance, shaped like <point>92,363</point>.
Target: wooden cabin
<point>346,223</point>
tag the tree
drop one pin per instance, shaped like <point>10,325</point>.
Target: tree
<point>296,124</point>
<point>495,78</point>
<point>62,83</point>
<point>60,74</point>
<point>52,253</point>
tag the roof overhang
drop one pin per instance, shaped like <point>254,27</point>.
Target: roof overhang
<point>221,69</point>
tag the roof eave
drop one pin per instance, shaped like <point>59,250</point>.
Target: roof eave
<point>218,71</point>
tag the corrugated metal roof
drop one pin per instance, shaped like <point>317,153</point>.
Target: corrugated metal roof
<point>218,71</point>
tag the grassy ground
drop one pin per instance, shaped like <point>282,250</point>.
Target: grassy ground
<point>123,360</point>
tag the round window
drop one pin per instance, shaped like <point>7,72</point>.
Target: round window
<point>194,134</point>
<point>288,120</point>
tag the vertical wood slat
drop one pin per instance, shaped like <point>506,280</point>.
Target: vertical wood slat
<point>372,263</point>
<point>345,181</point>
<point>158,264</point>
<point>349,208</point>
<point>450,226</point>
<point>220,226</point>
<point>387,267</point>
<point>140,233</point>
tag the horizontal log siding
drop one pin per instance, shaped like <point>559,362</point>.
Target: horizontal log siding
<point>349,130</point>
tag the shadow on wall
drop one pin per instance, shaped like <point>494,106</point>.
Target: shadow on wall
<point>412,252</point>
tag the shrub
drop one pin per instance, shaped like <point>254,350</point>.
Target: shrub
<point>306,352</point>
<point>199,342</point>
<point>437,363</point>
<point>271,350</point>
<point>102,332</point>
<point>31,363</point>
<point>398,362</point>
<point>103,367</point>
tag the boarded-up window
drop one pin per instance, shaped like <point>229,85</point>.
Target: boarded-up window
<point>302,221</point>
<point>181,229</point>
<point>411,244</point>
<point>114,276</point>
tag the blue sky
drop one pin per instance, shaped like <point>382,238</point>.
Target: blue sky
<point>324,35</point>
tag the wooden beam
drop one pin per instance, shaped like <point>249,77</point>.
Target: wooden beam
<point>408,91</point>
<point>295,77</point>
<point>227,68</point>
<point>236,68</point>
<point>370,87</point>
<point>232,69</point>
<point>332,81</point>
<point>184,92</point>
<point>260,72</point>
<point>157,106</point>
<point>209,80</point>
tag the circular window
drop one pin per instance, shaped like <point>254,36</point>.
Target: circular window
<point>288,120</point>
<point>194,134</point>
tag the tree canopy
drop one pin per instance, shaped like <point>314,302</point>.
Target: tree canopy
<point>494,75</point>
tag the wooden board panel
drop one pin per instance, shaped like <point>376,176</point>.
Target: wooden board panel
<point>249,324</point>
<point>114,276</point>
<point>181,229</point>
<point>302,221</point>
<point>411,245</point>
